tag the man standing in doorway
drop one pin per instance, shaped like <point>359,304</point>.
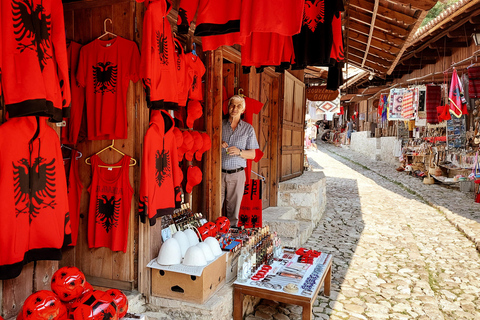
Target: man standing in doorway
<point>349,130</point>
<point>238,144</point>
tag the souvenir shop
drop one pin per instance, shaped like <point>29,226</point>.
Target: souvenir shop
<point>111,131</point>
<point>436,124</point>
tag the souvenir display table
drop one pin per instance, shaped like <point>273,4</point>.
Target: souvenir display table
<point>287,280</point>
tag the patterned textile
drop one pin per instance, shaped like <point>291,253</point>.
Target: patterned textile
<point>385,107</point>
<point>433,98</point>
<point>395,104</point>
<point>407,104</point>
<point>474,82</point>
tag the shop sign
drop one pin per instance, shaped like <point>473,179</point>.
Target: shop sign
<point>321,93</point>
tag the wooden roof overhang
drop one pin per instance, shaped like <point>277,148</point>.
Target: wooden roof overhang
<point>451,29</point>
<point>377,31</point>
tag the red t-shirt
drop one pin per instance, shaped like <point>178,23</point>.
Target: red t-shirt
<point>195,71</point>
<point>282,17</point>
<point>110,205</point>
<point>105,69</point>
<point>337,47</point>
<point>181,70</point>
<point>267,49</point>
<point>72,128</point>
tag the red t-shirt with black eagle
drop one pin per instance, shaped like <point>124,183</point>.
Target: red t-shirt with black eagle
<point>105,69</point>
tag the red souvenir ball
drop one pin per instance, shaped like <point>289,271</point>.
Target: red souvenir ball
<point>68,283</point>
<point>212,229</point>
<point>41,305</point>
<point>73,304</point>
<point>223,224</point>
<point>96,305</point>
<point>204,231</point>
<point>120,300</point>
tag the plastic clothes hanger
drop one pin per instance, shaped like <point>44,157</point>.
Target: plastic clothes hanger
<point>105,32</point>
<point>79,154</point>
<point>240,92</point>
<point>111,147</point>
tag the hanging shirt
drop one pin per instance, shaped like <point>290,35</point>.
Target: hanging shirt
<point>313,45</point>
<point>282,17</point>
<point>110,205</point>
<point>70,132</point>
<point>182,75</point>
<point>195,72</point>
<point>74,189</point>
<point>161,177</point>
<point>263,49</point>
<point>34,219</point>
<point>213,16</point>
<point>158,67</point>
<point>105,69</point>
<point>33,59</point>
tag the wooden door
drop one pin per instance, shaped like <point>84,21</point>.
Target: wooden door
<point>292,127</point>
<point>264,137</point>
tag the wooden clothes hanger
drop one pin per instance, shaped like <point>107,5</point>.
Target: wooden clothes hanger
<point>105,32</point>
<point>112,147</point>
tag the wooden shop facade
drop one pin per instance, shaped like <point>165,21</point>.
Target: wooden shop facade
<point>279,127</point>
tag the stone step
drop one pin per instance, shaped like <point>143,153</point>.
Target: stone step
<point>290,242</point>
<point>278,213</point>
<point>284,228</point>
<point>305,231</point>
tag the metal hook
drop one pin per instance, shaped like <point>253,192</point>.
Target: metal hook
<point>105,24</point>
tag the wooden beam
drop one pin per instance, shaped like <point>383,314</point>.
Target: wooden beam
<point>377,33</point>
<point>419,62</point>
<point>375,67</point>
<point>384,11</point>
<point>377,52</point>
<point>446,43</point>
<point>380,24</point>
<point>409,40</point>
<point>464,31</point>
<point>437,52</point>
<point>354,35</point>
<point>424,5</point>
<point>372,27</point>
<point>360,54</point>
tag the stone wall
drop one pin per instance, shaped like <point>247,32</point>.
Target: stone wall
<point>380,149</point>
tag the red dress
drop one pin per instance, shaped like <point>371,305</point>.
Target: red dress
<point>74,189</point>
<point>105,69</point>
<point>110,204</point>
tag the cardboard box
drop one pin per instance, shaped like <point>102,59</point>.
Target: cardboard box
<point>190,288</point>
<point>232,265</point>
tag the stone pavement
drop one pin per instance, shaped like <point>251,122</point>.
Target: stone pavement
<point>398,251</point>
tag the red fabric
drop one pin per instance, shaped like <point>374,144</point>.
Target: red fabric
<point>250,215</point>
<point>342,111</point>
<point>282,17</point>
<point>197,145</point>
<point>435,139</point>
<point>161,177</point>
<point>110,205</point>
<point>229,39</point>
<point>267,49</point>
<point>181,68</point>
<point>337,52</point>
<point>34,218</point>
<point>458,103</point>
<point>106,101</point>
<point>407,104</point>
<point>158,67</point>
<point>213,17</point>
<point>474,82</point>
<point>433,99</point>
<point>72,128</point>
<point>194,111</point>
<point>195,72</point>
<point>443,113</point>
<point>194,177</point>
<point>207,144</point>
<point>75,188</point>
<point>34,72</point>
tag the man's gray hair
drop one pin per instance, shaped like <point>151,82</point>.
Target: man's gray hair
<point>238,98</point>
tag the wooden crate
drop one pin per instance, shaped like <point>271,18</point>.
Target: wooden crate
<point>184,287</point>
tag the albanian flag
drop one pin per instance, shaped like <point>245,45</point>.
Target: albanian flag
<point>458,103</point>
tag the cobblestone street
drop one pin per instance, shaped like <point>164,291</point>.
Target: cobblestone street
<point>397,245</point>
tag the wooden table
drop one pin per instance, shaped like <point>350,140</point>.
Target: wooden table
<point>281,296</point>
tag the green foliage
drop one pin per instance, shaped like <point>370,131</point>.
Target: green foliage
<point>436,10</point>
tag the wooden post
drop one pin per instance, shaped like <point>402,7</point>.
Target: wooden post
<point>213,123</point>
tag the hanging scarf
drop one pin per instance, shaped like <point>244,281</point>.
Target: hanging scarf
<point>433,98</point>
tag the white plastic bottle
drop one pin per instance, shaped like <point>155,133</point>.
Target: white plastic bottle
<point>244,266</point>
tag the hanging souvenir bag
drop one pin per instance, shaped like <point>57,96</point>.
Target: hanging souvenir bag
<point>250,215</point>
